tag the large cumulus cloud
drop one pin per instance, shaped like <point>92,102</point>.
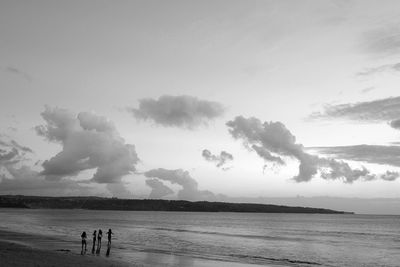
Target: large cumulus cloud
<point>189,191</point>
<point>88,142</point>
<point>271,141</point>
<point>220,160</point>
<point>158,189</point>
<point>274,142</point>
<point>25,180</point>
<point>177,111</point>
<point>16,177</point>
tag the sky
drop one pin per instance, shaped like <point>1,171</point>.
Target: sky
<point>202,100</point>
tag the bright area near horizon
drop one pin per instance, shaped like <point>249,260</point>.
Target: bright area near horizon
<point>140,98</point>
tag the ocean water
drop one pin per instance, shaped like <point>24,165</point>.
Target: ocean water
<point>276,239</point>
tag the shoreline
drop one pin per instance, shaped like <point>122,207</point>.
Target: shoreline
<point>21,249</point>
<point>13,254</point>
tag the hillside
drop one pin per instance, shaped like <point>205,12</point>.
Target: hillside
<point>97,203</point>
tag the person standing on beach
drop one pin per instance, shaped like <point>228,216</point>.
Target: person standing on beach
<point>83,236</point>
<point>99,236</point>
<point>94,241</point>
<point>109,233</point>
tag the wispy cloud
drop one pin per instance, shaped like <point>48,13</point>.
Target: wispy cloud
<point>380,69</point>
<point>367,90</point>
<point>381,110</point>
<point>6,141</point>
<point>384,40</point>
<point>387,155</point>
<point>18,72</point>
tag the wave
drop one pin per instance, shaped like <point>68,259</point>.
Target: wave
<point>239,258</point>
<point>281,260</point>
<point>265,237</point>
<point>307,233</point>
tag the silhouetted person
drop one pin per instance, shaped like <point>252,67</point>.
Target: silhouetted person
<point>99,236</point>
<point>94,241</point>
<point>109,233</point>
<point>83,236</point>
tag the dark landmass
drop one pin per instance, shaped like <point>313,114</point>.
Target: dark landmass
<point>98,203</point>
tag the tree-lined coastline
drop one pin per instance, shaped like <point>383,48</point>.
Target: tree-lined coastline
<point>100,203</point>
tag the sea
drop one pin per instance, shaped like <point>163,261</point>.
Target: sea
<point>247,238</point>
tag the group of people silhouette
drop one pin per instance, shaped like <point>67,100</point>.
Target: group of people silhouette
<point>97,236</point>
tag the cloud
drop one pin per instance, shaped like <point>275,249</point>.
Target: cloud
<point>24,180</point>
<point>119,190</point>
<point>18,178</point>
<point>158,189</point>
<point>376,154</point>
<point>11,152</point>
<point>23,148</point>
<point>266,155</point>
<point>277,142</point>
<point>339,169</point>
<point>390,176</point>
<point>177,111</point>
<point>395,124</point>
<point>180,177</point>
<point>88,142</point>
<point>7,142</point>
<point>373,111</point>
<point>274,140</point>
<point>383,40</point>
<point>367,90</point>
<point>383,68</point>
<point>18,72</point>
<point>219,160</point>
<point>7,156</point>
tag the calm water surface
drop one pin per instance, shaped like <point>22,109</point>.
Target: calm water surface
<point>287,239</point>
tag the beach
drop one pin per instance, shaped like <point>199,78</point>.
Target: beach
<point>20,249</point>
<point>16,255</point>
<point>52,237</point>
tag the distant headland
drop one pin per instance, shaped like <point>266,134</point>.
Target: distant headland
<point>100,203</point>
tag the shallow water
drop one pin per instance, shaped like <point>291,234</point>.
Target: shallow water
<point>287,239</point>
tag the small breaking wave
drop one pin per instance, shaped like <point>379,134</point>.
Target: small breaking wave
<point>280,260</point>
<point>264,237</point>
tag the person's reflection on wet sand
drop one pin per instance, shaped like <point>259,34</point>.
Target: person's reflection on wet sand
<point>98,251</point>
<point>108,250</point>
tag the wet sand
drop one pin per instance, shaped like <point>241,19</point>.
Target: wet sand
<point>17,255</point>
<point>20,249</point>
